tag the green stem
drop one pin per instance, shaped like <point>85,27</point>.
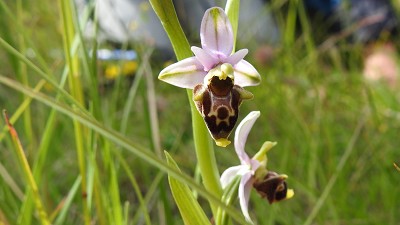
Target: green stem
<point>291,23</point>
<point>228,197</point>
<point>136,188</point>
<point>203,144</point>
<point>27,172</point>
<point>205,153</point>
<point>23,76</point>
<point>232,11</point>
<point>77,93</point>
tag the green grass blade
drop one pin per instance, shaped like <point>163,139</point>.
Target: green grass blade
<point>7,178</point>
<point>66,205</point>
<point>10,49</point>
<point>23,162</point>
<point>189,208</point>
<point>76,89</point>
<point>22,74</point>
<point>136,188</point>
<point>151,193</point>
<point>129,145</point>
<point>339,168</point>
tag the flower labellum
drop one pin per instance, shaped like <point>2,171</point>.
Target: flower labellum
<point>273,187</point>
<point>218,102</point>
<point>216,75</point>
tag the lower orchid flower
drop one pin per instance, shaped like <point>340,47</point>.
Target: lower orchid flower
<point>253,171</point>
<point>216,75</point>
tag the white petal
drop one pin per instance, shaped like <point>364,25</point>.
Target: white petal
<point>246,74</point>
<point>229,174</point>
<point>244,195</point>
<point>186,73</point>
<point>242,131</point>
<point>205,58</point>
<point>237,56</point>
<point>216,32</point>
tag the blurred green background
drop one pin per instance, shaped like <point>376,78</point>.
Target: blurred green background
<point>337,132</point>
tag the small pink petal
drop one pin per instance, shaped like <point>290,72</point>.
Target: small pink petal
<point>186,73</point>
<point>254,164</point>
<point>205,58</point>
<point>237,56</point>
<point>229,174</point>
<point>245,74</point>
<point>242,131</point>
<point>216,32</point>
<point>244,194</point>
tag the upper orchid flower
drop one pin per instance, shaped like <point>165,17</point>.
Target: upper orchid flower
<point>217,44</point>
<point>216,75</point>
<point>253,171</point>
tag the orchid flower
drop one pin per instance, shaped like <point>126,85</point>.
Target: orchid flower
<point>216,37</point>
<point>216,75</point>
<point>253,171</point>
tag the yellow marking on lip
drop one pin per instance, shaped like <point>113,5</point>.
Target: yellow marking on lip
<point>222,142</point>
<point>289,193</point>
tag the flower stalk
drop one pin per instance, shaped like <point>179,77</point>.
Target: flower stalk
<point>203,145</point>
<point>217,75</point>
<point>232,11</point>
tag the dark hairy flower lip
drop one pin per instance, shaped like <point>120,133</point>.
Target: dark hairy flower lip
<point>273,187</point>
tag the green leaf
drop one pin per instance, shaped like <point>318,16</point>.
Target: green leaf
<point>68,202</point>
<point>188,206</point>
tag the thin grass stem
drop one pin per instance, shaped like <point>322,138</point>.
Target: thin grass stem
<point>136,188</point>
<point>339,168</point>
<point>122,141</point>
<point>23,76</point>
<point>27,172</point>
<point>77,93</point>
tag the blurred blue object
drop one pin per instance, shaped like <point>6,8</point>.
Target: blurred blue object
<point>116,54</point>
<point>324,7</point>
<point>373,18</point>
<point>367,18</point>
